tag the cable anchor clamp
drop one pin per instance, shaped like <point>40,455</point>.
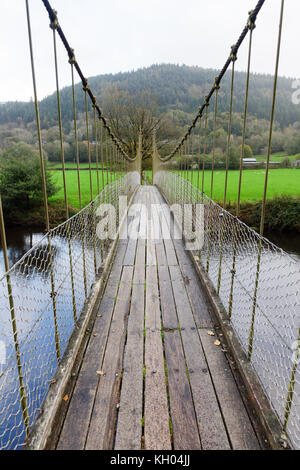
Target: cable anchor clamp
<point>85,85</point>
<point>72,59</point>
<point>54,23</point>
<point>251,22</point>
<point>206,102</point>
<point>217,83</point>
<point>233,53</point>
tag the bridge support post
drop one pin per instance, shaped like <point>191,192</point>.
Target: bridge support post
<point>138,161</point>
<point>156,163</point>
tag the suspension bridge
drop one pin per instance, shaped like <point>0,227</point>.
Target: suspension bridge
<point>181,331</point>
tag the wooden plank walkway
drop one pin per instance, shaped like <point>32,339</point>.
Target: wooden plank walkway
<point>152,376</point>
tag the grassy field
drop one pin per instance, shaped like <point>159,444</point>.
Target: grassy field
<point>72,186</point>
<point>275,157</point>
<point>281,181</point>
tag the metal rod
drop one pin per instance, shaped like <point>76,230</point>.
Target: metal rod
<point>62,153</point>
<point>88,140</point>
<point>101,153</point>
<point>214,142</point>
<point>76,136</point>
<point>78,176</point>
<point>53,26</point>
<point>42,164</point>
<point>96,149</point>
<point>226,175</point>
<point>244,124</point>
<point>204,149</point>
<point>229,133</point>
<point>22,390</point>
<point>252,327</point>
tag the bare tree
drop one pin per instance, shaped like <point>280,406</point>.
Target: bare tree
<point>129,114</point>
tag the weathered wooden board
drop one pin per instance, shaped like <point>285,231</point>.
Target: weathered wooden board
<point>129,427</point>
<point>168,309</point>
<point>76,424</point>
<point>102,425</point>
<point>184,311</point>
<point>209,417</point>
<point>153,317</point>
<point>184,423</point>
<point>156,414</point>
<point>237,421</point>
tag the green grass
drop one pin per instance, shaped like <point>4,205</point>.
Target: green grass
<point>281,181</point>
<point>275,157</point>
<point>72,186</point>
<point>74,165</point>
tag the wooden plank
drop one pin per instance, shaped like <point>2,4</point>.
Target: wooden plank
<point>156,414</point>
<point>237,421</point>
<point>153,318</point>
<point>133,229</point>
<point>168,309</point>
<point>184,424</point>
<point>203,313</point>
<point>165,224</point>
<point>170,252</point>
<point>75,428</point>
<point>140,258</point>
<point>184,311</point>
<point>129,427</point>
<point>154,214</point>
<point>161,254</point>
<point>102,424</point>
<point>209,417</point>
<point>151,255</point>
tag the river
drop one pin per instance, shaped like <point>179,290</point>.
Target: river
<point>20,240</point>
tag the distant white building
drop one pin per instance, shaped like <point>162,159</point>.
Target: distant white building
<point>296,164</point>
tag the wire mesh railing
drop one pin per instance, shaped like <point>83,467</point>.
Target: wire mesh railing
<point>49,288</point>
<point>259,286</point>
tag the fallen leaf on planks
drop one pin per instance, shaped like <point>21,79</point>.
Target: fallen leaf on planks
<point>217,342</point>
<point>210,333</point>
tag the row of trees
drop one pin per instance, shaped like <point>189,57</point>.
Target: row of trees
<point>20,177</point>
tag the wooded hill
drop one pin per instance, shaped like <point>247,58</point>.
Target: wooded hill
<point>177,92</point>
<point>174,87</point>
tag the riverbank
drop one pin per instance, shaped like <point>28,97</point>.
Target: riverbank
<point>282,214</point>
<point>34,217</point>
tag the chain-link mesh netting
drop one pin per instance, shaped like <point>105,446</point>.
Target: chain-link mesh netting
<point>259,286</point>
<point>41,300</point>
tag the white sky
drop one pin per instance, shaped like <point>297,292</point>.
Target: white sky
<point>120,35</point>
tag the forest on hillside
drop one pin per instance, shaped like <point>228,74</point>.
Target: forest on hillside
<point>176,91</point>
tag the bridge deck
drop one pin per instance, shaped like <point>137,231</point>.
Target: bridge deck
<point>152,376</point>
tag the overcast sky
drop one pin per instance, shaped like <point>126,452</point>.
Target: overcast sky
<point>120,35</point>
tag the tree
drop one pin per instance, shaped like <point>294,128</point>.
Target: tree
<point>129,114</point>
<point>285,163</point>
<point>247,151</point>
<point>20,176</point>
